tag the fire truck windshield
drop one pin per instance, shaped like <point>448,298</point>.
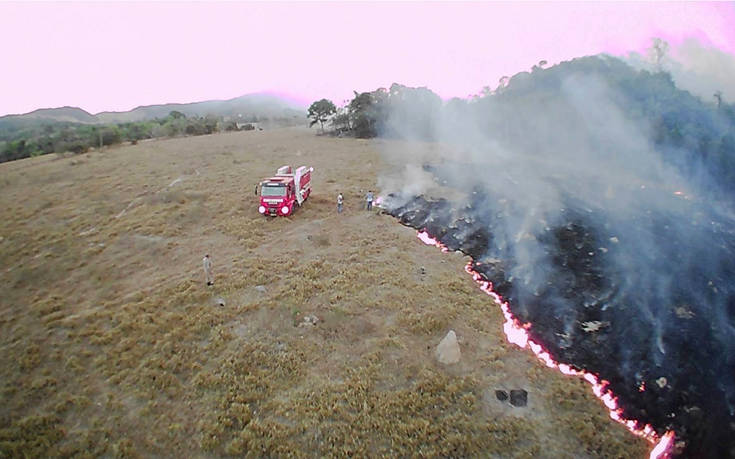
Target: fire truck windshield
<point>273,190</point>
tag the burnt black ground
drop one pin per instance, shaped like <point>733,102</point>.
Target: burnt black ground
<point>686,373</point>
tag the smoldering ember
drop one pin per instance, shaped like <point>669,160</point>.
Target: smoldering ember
<point>614,245</point>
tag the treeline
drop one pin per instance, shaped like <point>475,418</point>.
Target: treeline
<point>535,111</point>
<point>25,138</point>
<point>380,112</point>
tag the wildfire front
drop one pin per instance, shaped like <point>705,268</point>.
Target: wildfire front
<point>660,368</point>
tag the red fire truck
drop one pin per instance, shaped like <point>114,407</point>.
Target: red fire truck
<point>282,192</point>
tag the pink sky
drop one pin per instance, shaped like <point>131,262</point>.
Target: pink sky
<point>116,56</point>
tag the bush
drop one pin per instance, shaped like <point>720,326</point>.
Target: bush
<point>74,146</point>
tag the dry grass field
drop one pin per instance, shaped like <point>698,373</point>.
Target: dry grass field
<point>112,344</point>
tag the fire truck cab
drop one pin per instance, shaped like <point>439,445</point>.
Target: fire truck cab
<point>280,194</point>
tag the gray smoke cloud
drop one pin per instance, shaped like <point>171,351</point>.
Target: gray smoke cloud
<point>704,71</point>
<point>582,149</point>
<point>528,162</point>
<point>696,68</point>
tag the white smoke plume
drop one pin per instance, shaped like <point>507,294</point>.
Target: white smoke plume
<point>702,70</point>
<point>562,147</point>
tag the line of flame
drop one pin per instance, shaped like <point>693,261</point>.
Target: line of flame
<point>517,333</point>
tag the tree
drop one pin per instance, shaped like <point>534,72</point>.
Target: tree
<point>175,126</point>
<point>110,135</point>
<point>718,95</point>
<point>502,84</point>
<point>227,125</point>
<point>540,66</point>
<point>407,112</point>
<point>320,111</point>
<point>362,116</point>
<point>657,52</point>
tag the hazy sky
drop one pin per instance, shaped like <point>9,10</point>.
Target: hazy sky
<point>116,56</point>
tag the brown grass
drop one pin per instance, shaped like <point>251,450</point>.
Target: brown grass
<point>112,345</point>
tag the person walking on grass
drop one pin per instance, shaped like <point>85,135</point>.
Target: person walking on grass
<point>369,199</point>
<point>208,269</point>
<point>340,201</point>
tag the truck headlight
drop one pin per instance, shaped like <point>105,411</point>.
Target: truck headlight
<point>284,210</point>
<point>261,209</point>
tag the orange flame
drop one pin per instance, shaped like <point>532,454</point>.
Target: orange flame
<point>517,333</point>
<point>662,449</point>
<point>428,240</point>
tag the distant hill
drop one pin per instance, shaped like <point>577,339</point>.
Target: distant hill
<point>64,129</point>
<point>61,114</point>
<point>260,105</point>
<point>248,106</point>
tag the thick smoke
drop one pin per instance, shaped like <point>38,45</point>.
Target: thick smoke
<point>696,68</point>
<point>704,71</point>
<point>591,223</point>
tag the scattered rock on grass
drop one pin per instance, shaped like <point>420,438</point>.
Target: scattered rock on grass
<point>309,321</point>
<point>447,352</point>
<point>518,397</point>
<point>260,288</point>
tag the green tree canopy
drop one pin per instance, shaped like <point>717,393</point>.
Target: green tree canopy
<point>320,111</point>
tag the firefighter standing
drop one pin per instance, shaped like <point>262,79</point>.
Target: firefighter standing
<point>207,262</point>
<point>369,199</point>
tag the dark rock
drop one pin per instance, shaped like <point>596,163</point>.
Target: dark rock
<point>518,397</point>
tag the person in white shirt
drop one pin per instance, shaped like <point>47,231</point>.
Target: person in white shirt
<point>369,199</point>
<point>208,269</point>
<point>340,201</point>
